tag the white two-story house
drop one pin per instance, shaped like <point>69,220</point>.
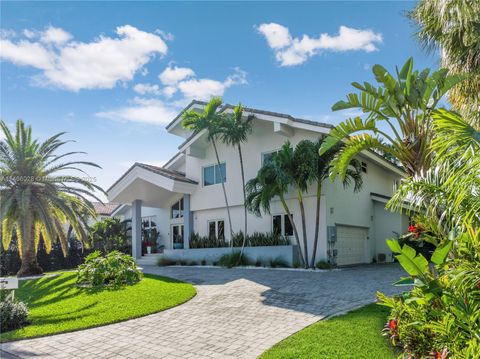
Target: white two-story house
<point>185,195</point>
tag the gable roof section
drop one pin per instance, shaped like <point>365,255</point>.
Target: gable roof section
<point>105,209</point>
<point>174,175</point>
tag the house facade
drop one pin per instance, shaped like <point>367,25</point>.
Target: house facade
<point>185,195</point>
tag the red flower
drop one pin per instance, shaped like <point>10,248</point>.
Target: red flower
<point>412,229</point>
<point>392,324</point>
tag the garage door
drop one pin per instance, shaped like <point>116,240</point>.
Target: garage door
<point>351,244</point>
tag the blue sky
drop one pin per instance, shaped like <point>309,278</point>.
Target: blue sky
<point>95,69</point>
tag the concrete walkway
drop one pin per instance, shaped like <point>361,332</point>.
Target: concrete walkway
<point>237,313</point>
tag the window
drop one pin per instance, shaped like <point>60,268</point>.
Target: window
<point>177,236</point>
<point>216,229</point>
<point>177,209</point>
<point>364,167</point>
<point>149,229</point>
<point>281,225</point>
<point>267,156</point>
<point>214,174</point>
<point>396,184</point>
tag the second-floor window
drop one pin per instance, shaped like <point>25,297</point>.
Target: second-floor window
<point>214,174</point>
<point>177,209</point>
<point>268,156</point>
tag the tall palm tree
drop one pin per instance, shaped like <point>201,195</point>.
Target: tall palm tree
<point>404,103</point>
<point>233,130</point>
<point>271,182</point>
<point>37,198</point>
<point>453,27</point>
<point>322,168</point>
<point>210,120</point>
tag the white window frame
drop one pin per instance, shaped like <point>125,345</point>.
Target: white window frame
<point>262,155</point>
<point>216,227</point>
<point>364,166</point>
<point>180,208</point>
<point>214,173</point>
<point>282,224</point>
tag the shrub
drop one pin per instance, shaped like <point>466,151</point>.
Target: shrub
<point>279,262</point>
<point>165,261</point>
<point>13,314</point>
<point>233,259</point>
<point>197,241</point>
<point>114,269</point>
<point>256,239</point>
<point>323,265</point>
<point>203,262</point>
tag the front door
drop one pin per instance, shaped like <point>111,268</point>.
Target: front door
<point>176,234</point>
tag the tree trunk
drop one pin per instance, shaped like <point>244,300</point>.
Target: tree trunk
<point>297,238</point>
<point>29,254</point>
<point>224,193</point>
<point>304,227</point>
<point>244,201</point>
<point>317,223</point>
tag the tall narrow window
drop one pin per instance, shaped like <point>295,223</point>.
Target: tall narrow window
<point>177,209</point>
<point>281,225</point>
<point>214,174</point>
<point>216,229</point>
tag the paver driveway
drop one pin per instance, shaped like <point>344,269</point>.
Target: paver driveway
<point>237,313</point>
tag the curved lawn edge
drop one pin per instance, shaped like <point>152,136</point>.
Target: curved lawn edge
<point>356,333</point>
<point>58,306</point>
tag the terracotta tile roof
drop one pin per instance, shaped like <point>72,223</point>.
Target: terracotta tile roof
<point>105,209</point>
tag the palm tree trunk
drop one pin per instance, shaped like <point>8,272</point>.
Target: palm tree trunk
<point>224,193</point>
<point>317,223</point>
<point>295,232</point>
<point>304,227</point>
<point>244,200</point>
<point>29,254</point>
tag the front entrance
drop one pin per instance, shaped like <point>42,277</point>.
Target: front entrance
<point>176,236</point>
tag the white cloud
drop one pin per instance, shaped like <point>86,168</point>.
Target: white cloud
<point>150,111</point>
<point>73,65</point>
<point>291,51</point>
<point>143,89</point>
<point>55,35</point>
<point>172,75</point>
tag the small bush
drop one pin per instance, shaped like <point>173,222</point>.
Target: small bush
<point>203,262</point>
<point>13,315</point>
<point>258,262</point>
<point>114,269</point>
<point>279,262</point>
<point>323,265</point>
<point>165,261</point>
<point>233,259</point>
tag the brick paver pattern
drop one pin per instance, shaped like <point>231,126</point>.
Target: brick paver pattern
<point>237,313</point>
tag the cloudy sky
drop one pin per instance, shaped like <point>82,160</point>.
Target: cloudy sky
<point>113,74</point>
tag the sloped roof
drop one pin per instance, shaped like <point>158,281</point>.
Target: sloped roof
<point>105,209</point>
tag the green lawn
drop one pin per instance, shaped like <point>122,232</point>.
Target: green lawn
<point>353,335</point>
<point>57,305</point>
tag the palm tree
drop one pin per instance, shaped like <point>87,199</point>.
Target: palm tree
<point>210,120</point>
<point>452,26</point>
<point>37,200</point>
<point>404,104</point>
<point>271,182</point>
<point>322,168</point>
<point>449,191</point>
<point>233,130</point>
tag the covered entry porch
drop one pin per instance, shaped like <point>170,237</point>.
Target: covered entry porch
<point>147,186</point>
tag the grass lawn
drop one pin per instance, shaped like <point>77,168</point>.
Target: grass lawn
<point>57,305</point>
<point>353,335</point>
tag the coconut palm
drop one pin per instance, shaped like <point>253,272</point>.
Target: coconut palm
<point>403,103</point>
<point>37,198</point>
<point>210,120</point>
<point>322,167</point>
<point>271,182</point>
<point>453,27</point>
<point>233,130</point>
<point>450,191</point>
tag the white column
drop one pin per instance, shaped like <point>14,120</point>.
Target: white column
<point>137,229</point>
<point>187,221</point>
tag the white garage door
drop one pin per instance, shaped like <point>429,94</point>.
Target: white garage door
<point>351,244</point>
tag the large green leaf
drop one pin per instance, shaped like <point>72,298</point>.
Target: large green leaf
<point>394,245</point>
<point>438,257</point>
<point>413,263</point>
